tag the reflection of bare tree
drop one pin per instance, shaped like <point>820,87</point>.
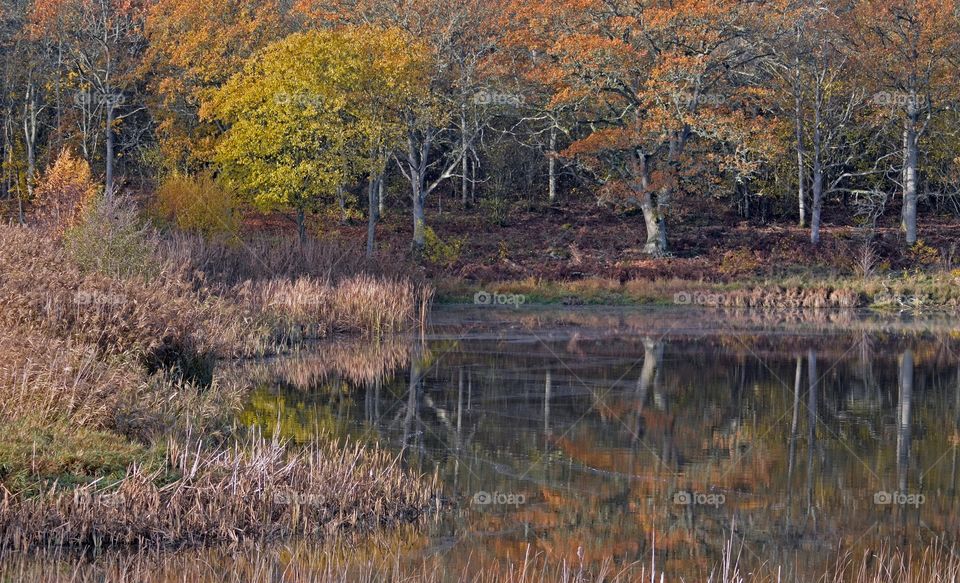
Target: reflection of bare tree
<point>814,382</point>
<point>413,394</point>
<point>903,418</point>
<point>794,424</point>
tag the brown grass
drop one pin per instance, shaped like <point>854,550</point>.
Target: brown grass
<point>113,426</point>
<point>259,489</point>
<point>358,560</point>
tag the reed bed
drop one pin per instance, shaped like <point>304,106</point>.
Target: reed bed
<point>258,489</point>
<point>306,308</point>
<point>307,562</point>
<point>171,316</point>
<point>114,429</point>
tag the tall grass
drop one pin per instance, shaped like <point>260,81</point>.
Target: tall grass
<point>351,560</point>
<point>257,489</point>
<point>114,429</point>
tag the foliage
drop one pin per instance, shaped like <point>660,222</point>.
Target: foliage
<point>198,204</point>
<point>65,191</point>
<point>110,238</point>
<point>440,252</point>
<point>306,113</point>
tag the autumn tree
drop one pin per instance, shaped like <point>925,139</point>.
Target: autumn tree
<point>102,41</point>
<point>813,70</point>
<point>313,112</point>
<point>906,52</point>
<point>194,47</point>
<point>457,36</point>
<point>652,77</point>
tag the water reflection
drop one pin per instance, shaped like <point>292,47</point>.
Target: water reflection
<point>613,437</point>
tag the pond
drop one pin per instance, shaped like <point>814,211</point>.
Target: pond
<point>587,435</point>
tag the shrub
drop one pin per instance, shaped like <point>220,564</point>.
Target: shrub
<point>439,252</point>
<point>109,238</point>
<point>198,204</point>
<point>65,191</point>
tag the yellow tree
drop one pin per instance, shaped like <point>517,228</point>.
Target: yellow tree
<point>313,112</point>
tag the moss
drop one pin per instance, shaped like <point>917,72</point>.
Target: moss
<point>34,455</point>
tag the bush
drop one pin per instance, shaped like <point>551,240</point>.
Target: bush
<point>65,191</point>
<point>440,252</point>
<point>198,204</point>
<point>109,238</point>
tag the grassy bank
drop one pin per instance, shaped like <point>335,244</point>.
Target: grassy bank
<point>115,427</point>
<point>913,291</point>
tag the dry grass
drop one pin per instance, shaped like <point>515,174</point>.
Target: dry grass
<point>357,561</point>
<point>113,425</point>
<point>310,308</point>
<point>258,489</point>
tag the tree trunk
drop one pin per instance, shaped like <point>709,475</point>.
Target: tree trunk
<point>817,186</point>
<point>464,182</point>
<point>380,196</point>
<point>910,161</point>
<point>552,165</point>
<point>30,136</point>
<point>108,181</point>
<point>801,174</point>
<point>817,209</point>
<point>656,244</point>
<point>301,225</point>
<point>372,212</point>
<point>419,221</point>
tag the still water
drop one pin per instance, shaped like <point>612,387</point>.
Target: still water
<point>587,435</point>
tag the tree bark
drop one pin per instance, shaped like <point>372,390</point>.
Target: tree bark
<point>108,181</point>
<point>464,182</point>
<point>801,174</point>
<point>910,161</point>
<point>419,220</point>
<point>301,225</point>
<point>817,186</point>
<point>552,165</point>
<point>30,135</point>
<point>372,213</point>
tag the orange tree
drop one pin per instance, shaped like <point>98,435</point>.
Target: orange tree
<point>650,79</point>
